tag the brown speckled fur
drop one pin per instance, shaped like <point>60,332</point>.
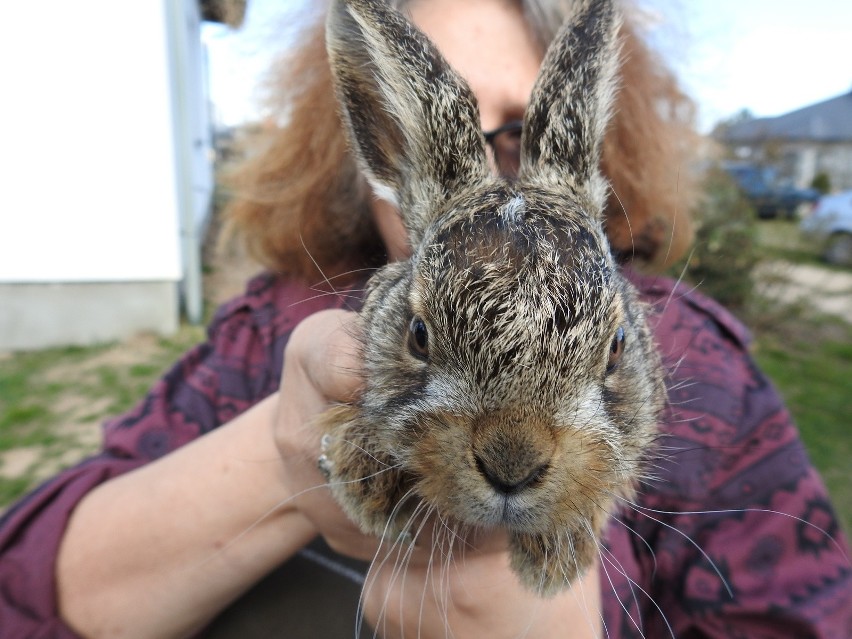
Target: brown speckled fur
<point>521,298</point>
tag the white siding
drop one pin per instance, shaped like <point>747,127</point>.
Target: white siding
<point>88,190</point>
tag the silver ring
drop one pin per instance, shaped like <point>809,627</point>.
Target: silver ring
<point>324,464</point>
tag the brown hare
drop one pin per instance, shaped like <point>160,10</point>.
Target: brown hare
<point>510,378</point>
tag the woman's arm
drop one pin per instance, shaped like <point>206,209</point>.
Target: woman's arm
<point>159,551</point>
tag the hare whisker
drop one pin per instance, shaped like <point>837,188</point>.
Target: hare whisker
<point>321,294</point>
<point>263,517</point>
<point>605,556</point>
<point>351,481</point>
<point>319,268</point>
<point>373,563</point>
<point>641,510</point>
<point>353,271</point>
<point>674,221</point>
<point>572,550</point>
<point>370,455</point>
<point>627,219</point>
<point>446,578</point>
<point>684,402</point>
<point>620,568</point>
<point>613,560</point>
<point>680,278</point>
<point>544,564</point>
<point>376,565</point>
<point>768,511</point>
<point>615,592</point>
<point>403,558</point>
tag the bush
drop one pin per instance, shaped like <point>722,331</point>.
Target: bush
<point>821,182</point>
<point>725,250</point>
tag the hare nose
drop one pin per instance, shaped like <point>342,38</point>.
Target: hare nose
<point>506,482</point>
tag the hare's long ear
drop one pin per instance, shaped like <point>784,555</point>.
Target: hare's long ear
<point>412,121</point>
<point>571,101</point>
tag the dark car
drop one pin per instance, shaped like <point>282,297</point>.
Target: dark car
<point>770,196</point>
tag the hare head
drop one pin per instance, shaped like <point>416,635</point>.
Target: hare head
<point>511,379</point>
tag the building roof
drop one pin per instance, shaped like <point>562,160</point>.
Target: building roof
<point>826,121</point>
<point>230,12</point>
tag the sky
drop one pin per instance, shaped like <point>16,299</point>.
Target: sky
<point>767,56</point>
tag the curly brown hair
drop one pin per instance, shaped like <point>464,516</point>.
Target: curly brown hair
<point>302,208</point>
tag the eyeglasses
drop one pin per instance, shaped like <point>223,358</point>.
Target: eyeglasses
<point>505,141</point>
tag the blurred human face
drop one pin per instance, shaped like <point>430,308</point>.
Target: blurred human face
<point>489,44</point>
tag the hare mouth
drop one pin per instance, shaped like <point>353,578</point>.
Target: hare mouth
<point>516,513</point>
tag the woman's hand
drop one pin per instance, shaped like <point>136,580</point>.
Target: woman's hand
<point>321,366</point>
<point>475,594</point>
<point>422,590</point>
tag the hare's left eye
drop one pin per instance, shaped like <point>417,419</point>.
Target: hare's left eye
<point>616,350</point>
<point>418,338</point>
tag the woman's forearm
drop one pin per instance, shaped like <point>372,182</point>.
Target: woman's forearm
<point>159,551</point>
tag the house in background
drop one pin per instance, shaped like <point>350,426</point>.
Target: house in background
<point>800,144</point>
<point>106,192</point>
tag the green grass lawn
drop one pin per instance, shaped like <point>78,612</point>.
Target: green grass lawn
<point>53,401</point>
<point>781,239</point>
<point>812,368</point>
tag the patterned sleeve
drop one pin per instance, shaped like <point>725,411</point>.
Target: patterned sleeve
<point>736,536</point>
<point>238,365</point>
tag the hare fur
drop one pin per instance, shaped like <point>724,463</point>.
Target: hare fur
<point>510,377</point>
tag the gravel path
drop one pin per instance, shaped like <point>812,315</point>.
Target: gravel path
<point>828,290</point>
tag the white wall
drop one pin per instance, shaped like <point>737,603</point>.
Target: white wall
<point>88,189</point>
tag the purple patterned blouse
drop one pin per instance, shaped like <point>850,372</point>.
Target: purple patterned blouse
<point>700,555</point>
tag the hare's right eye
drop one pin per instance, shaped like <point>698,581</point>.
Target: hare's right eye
<point>418,338</point>
<point>616,350</point>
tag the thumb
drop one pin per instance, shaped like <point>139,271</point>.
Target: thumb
<point>326,346</point>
